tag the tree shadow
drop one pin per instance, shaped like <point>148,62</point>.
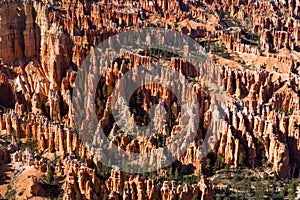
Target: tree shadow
<point>4,169</point>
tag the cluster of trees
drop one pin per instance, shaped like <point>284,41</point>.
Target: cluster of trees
<point>217,49</point>
<point>30,143</point>
<point>10,194</point>
<point>158,54</point>
<point>281,110</point>
<point>103,172</point>
<point>242,186</point>
<point>248,182</point>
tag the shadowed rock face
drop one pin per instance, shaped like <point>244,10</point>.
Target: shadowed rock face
<point>7,93</point>
<point>43,44</point>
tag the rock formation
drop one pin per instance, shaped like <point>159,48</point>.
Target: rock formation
<point>254,49</point>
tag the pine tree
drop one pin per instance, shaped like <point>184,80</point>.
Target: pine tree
<point>292,190</point>
<point>176,175</point>
<point>50,174</point>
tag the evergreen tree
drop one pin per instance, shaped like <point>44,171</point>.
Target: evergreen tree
<point>176,175</point>
<point>50,174</point>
